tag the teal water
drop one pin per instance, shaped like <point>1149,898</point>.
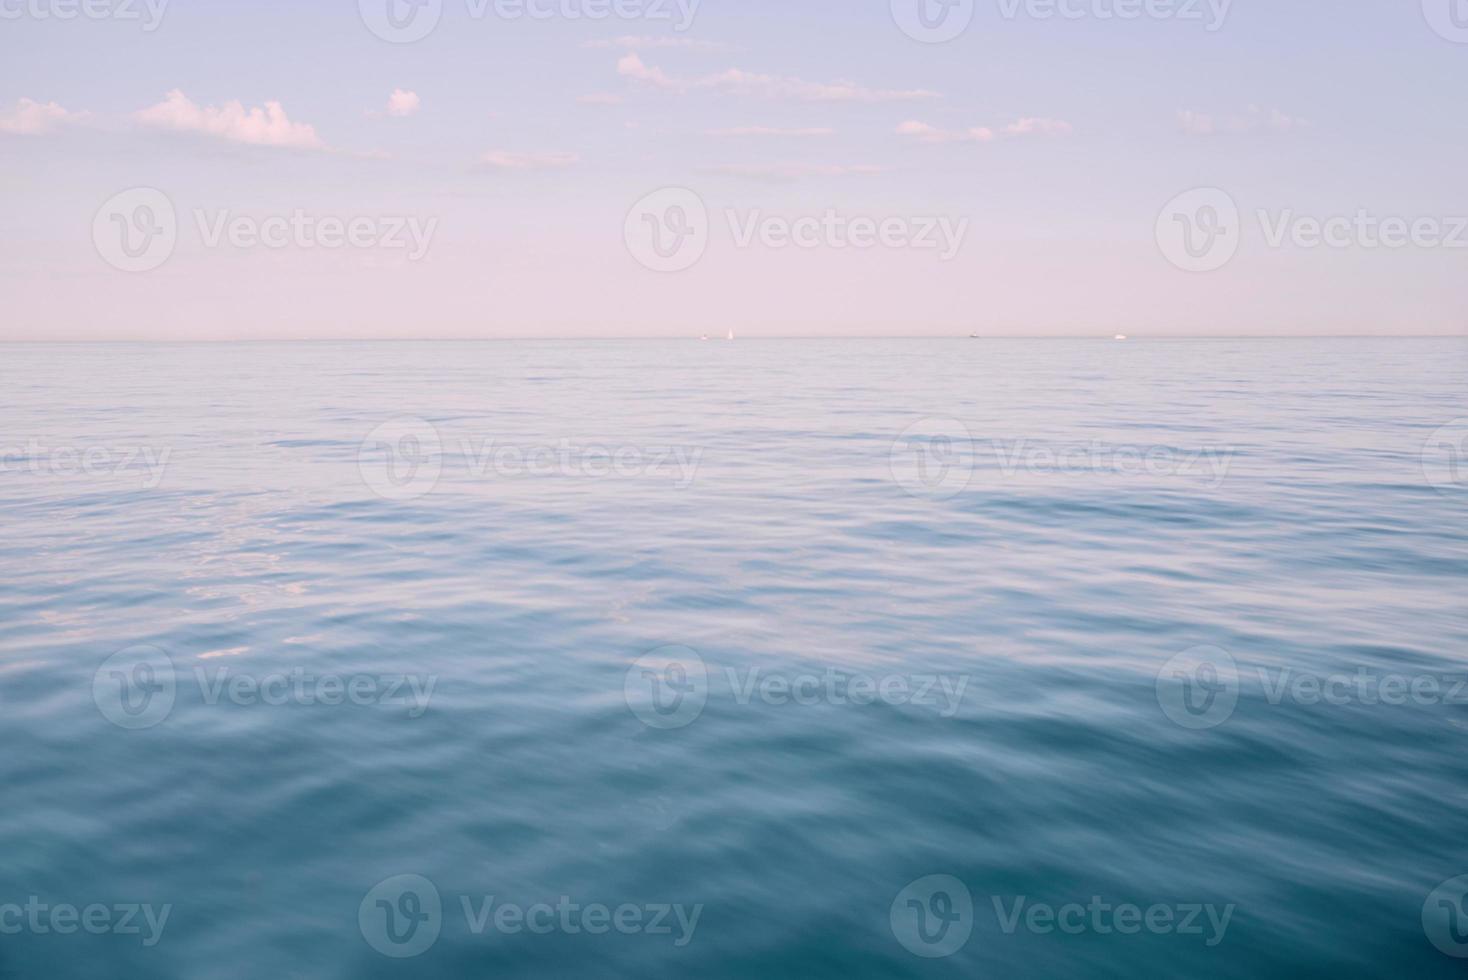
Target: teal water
<point>574,585</point>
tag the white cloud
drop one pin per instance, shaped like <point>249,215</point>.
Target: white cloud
<point>770,131</point>
<point>30,117</point>
<point>773,86</point>
<point>932,134</point>
<point>632,43</point>
<point>1035,126</point>
<point>600,98</point>
<point>267,126</point>
<point>510,160</point>
<point>403,103</point>
<point>1203,124</point>
<point>1028,126</point>
<point>794,171</point>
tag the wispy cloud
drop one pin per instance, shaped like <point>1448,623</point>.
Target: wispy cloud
<point>1028,126</point>
<point>770,131</point>
<point>742,82</point>
<point>259,126</point>
<point>932,134</point>
<point>600,98</point>
<point>30,117</point>
<point>1255,119</point>
<point>634,43</point>
<point>795,171</point>
<point>403,103</point>
<point>512,160</point>
<point>1036,126</point>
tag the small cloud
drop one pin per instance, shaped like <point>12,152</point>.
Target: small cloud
<point>769,131</point>
<point>740,82</point>
<point>30,117</point>
<point>932,134</point>
<point>1254,120</point>
<point>402,103</point>
<point>795,171</point>
<point>600,98</point>
<point>259,126</point>
<point>1033,126</point>
<point>1028,126</point>
<point>510,160</point>
<point>632,43</point>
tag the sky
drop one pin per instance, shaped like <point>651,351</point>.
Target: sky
<point>323,169</point>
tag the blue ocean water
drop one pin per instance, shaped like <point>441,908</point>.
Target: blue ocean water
<point>664,659</point>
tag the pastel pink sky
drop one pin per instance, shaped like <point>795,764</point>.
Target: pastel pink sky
<point>522,146</point>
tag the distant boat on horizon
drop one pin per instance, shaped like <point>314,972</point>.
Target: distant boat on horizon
<point>731,334</point>
<point>1120,336</point>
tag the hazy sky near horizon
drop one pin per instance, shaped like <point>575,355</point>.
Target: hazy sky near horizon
<point>494,168</point>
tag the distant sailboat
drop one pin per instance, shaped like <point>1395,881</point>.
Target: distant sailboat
<point>1120,336</point>
<point>731,334</point>
<point>704,337</point>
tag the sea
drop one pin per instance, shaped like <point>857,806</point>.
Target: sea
<point>827,658</point>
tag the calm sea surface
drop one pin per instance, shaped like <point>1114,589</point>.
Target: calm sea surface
<point>976,658</point>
